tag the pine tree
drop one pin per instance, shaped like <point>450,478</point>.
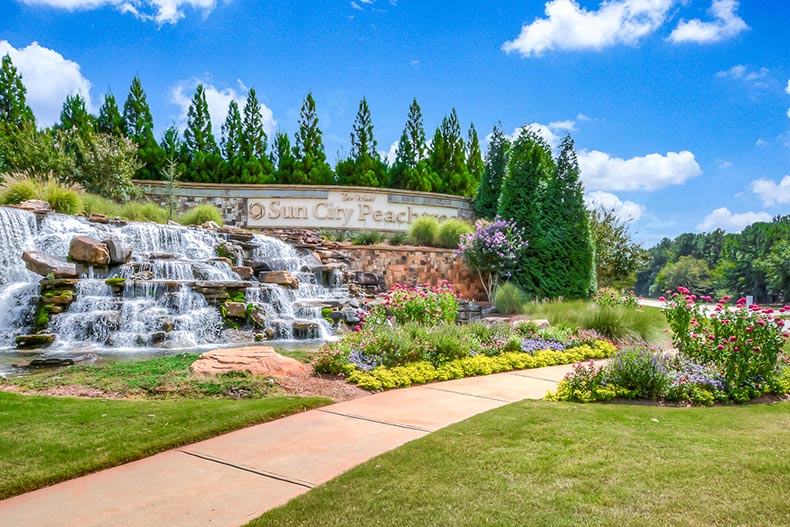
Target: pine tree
<point>530,169</point>
<point>110,121</point>
<point>285,160</point>
<point>474,162</point>
<point>198,134</point>
<point>15,114</point>
<point>139,127</point>
<point>411,169</point>
<point>364,167</point>
<point>74,115</point>
<point>448,157</point>
<point>232,132</point>
<point>487,197</point>
<point>252,142</point>
<point>310,165</point>
<point>569,269</point>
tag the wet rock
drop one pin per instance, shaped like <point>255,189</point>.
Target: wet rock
<point>66,297</point>
<point>34,205</point>
<point>367,278</point>
<point>54,362</point>
<point>212,225</point>
<point>167,324</point>
<point>87,250</point>
<point>260,267</point>
<point>120,253</point>
<point>44,265</point>
<point>158,337</point>
<point>283,278</point>
<point>244,272</point>
<point>97,218</point>
<point>38,340</point>
<point>258,360</point>
<point>162,256</point>
<point>350,315</point>
<point>236,309</point>
<point>231,250</point>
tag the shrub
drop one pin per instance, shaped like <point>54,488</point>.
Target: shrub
<point>450,231</point>
<point>19,191</point>
<point>424,304</point>
<point>201,214</point>
<point>423,230</point>
<point>611,297</point>
<point>640,371</point>
<point>62,199</point>
<point>334,235</point>
<point>367,238</point>
<point>398,238</point>
<point>509,298</point>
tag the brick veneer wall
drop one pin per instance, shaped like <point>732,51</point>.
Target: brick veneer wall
<point>413,265</point>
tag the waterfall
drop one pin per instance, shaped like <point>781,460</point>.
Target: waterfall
<point>159,303</point>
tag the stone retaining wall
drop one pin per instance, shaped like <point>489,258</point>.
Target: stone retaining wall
<point>413,265</point>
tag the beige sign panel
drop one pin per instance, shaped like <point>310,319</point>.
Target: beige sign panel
<point>342,210</point>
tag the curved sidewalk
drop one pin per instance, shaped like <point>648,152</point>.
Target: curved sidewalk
<point>233,478</point>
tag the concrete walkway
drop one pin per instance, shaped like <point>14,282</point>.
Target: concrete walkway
<point>233,478</point>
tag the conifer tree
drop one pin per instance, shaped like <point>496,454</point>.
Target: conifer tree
<point>448,158</point>
<point>74,115</point>
<point>15,114</point>
<point>474,160</point>
<point>285,160</point>
<point>364,167</point>
<point>569,269</point>
<point>252,141</point>
<point>139,127</point>
<point>487,197</point>
<point>411,169</point>
<point>310,165</point>
<point>110,121</point>
<point>530,169</point>
<point>198,134</point>
<point>232,132</point>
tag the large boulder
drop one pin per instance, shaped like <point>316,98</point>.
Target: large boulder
<point>44,265</point>
<point>235,309</point>
<point>87,250</point>
<point>258,360</point>
<point>283,278</point>
<point>120,253</point>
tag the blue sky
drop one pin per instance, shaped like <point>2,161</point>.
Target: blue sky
<point>680,109</point>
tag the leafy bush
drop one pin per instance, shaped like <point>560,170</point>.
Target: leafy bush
<point>640,371</point>
<point>398,238</point>
<point>201,214</point>
<point>509,298</point>
<point>450,231</point>
<point>610,297</point>
<point>334,235</point>
<point>148,211</point>
<point>424,230</point>
<point>423,304</point>
<point>17,191</point>
<point>62,199</point>
<point>367,238</point>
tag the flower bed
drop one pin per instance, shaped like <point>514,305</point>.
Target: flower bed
<point>733,354</point>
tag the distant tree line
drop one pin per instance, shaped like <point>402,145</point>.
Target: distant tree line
<point>753,262</point>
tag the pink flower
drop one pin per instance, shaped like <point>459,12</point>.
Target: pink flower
<point>662,299</point>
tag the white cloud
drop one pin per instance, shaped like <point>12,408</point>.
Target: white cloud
<point>726,25</point>
<point>570,27</point>
<point>582,117</point>
<point>160,11</point>
<point>601,171</point>
<point>724,219</point>
<point>218,101</point>
<point>770,192</point>
<point>723,163</point>
<point>48,78</point>
<point>389,155</point>
<point>787,89</point>
<point>625,210</point>
<point>563,125</point>
<point>741,72</point>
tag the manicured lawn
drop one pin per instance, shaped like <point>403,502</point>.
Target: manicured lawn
<point>44,440</point>
<point>550,464</point>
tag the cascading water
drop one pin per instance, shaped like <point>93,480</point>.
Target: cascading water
<point>159,297</point>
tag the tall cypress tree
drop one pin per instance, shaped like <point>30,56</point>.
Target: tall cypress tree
<point>487,197</point>
<point>364,167</point>
<point>285,161</point>
<point>474,161</point>
<point>74,115</point>
<point>448,157</point>
<point>198,134</point>
<point>139,127</point>
<point>232,132</point>
<point>253,137</point>
<point>569,252</point>
<point>15,114</point>
<point>110,121</point>
<point>411,169</point>
<point>310,162</point>
<point>530,169</point>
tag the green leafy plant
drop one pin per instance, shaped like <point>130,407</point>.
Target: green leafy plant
<point>450,231</point>
<point>201,214</point>
<point>398,238</point>
<point>509,298</point>
<point>423,304</point>
<point>367,238</point>
<point>423,230</point>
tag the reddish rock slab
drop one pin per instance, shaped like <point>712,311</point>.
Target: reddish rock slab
<point>258,360</point>
<point>87,250</point>
<point>43,264</point>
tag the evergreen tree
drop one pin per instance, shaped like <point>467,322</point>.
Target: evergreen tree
<point>252,141</point>
<point>310,164</point>
<point>15,114</point>
<point>448,158</point>
<point>364,167</point>
<point>139,127</point>
<point>474,160</point>
<point>411,169</point>
<point>198,134</point>
<point>232,132</point>
<point>569,266</point>
<point>110,121</point>
<point>530,169</point>
<point>74,115</point>
<point>285,161</point>
<point>487,196</point>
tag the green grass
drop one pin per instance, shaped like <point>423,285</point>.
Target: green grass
<point>618,323</point>
<point>550,464</point>
<point>165,377</point>
<point>45,440</point>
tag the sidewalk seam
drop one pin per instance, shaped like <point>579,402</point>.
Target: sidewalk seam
<point>467,394</point>
<point>264,473</point>
<point>362,418</point>
<point>532,377</point>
